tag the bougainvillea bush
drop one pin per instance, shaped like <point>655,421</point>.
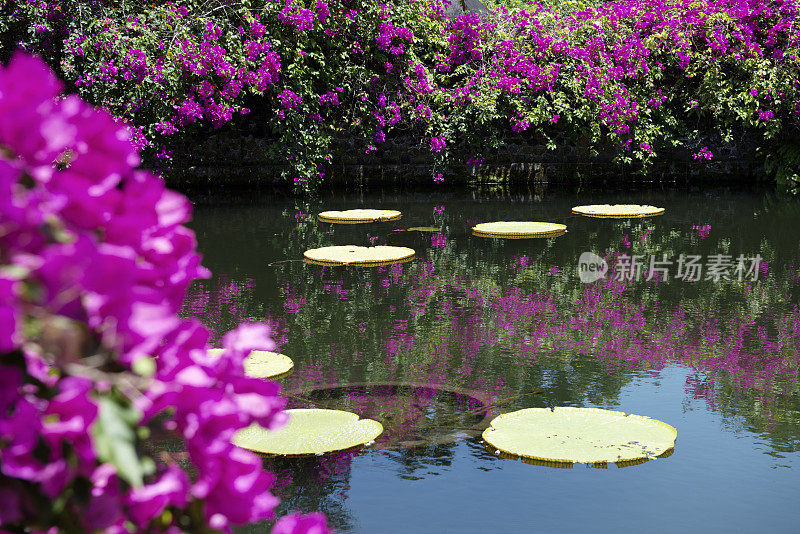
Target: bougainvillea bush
<point>633,77</point>
<point>94,265</point>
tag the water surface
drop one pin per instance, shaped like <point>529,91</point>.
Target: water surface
<point>717,359</point>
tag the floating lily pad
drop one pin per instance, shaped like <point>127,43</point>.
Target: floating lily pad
<point>518,229</point>
<point>617,211</point>
<point>358,216</point>
<point>582,435</point>
<point>355,255</point>
<point>423,229</point>
<point>310,431</point>
<point>262,363</point>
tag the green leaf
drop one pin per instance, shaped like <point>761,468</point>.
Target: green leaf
<point>115,441</point>
<point>566,434</point>
<point>310,431</point>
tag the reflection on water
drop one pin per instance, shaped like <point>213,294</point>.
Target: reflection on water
<point>412,415</point>
<point>507,317</point>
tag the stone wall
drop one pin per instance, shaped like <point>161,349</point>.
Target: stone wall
<point>521,157</point>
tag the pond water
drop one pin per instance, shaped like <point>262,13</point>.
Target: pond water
<point>510,324</point>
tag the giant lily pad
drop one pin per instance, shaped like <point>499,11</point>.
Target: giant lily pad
<point>583,435</point>
<point>262,363</point>
<point>422,229</point>
<point>358,216</point>
<point>355,255</point>
<point>518,229</point>
<point>617,211</point>
<point>310,431</point>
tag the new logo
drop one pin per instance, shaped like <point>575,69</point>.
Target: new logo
<point>591,267</point>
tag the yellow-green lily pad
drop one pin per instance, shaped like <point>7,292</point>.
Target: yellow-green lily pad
<point>359,216</point>
<point>423,229</point>
<point>355,255</point>
<point>617,211</point>
<point>262,363</point>
<point>310,432</point>
<point>518,229</point>
<point>579,435</point>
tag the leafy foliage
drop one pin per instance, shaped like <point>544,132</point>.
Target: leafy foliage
<point>630,77</point>
<point>784,161</point>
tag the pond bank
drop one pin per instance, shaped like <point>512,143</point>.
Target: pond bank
<point>522,158</point>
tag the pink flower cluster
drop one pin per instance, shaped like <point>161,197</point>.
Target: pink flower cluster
<point>393,38</point>
<point>703,153</point>
<point>438,143</point>
<point>465,36</point>
<point>607,55</point>
<point>94,254</point>
<point>289,99</point>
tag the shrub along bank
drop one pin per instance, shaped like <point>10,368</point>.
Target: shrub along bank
<point>634,77</point>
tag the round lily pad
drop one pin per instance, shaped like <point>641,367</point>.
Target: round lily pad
<point>583,435</point>
<point>310,431</point>
<point>617,211</point>
<point>262,363</point>
<point>518,229</point>
<point>355,255</point>
<point>423,229</point>
<point>358,216</point>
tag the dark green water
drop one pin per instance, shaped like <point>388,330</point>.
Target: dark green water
<point>717,359</point>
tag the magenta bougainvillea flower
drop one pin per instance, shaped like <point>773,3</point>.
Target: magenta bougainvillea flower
<point>438,143</point>
<point>703,153</point>
<point>94,252</point>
